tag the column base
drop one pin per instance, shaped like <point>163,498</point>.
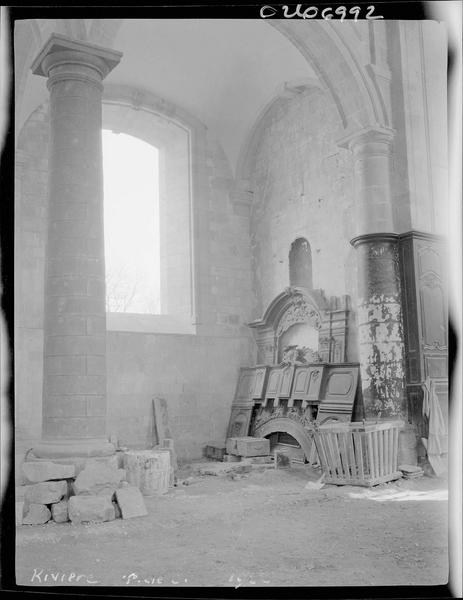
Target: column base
<point>86,448</point>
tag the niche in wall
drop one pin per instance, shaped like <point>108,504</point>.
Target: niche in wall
<point>300,264</point>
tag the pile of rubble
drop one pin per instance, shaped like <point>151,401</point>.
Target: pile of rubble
<point>56,492</point>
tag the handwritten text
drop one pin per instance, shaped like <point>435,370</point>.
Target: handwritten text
<point>314,12</point>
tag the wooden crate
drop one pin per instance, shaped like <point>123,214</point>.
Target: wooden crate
<point>215,450</point>
<point>358,453</point>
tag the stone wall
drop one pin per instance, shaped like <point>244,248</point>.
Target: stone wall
<point>302,185</point>
<point>196,373</point>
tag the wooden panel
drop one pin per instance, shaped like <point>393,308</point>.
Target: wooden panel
<point>338,393</point>
<point>315,381</point>
<point>435,366</point>
<point>246,384</point>
<point>259,382</point>
<point>301,378</point>
<point>424,298</point>
<point>161,419</point>
<point>307,383</point>
<point>273,383</point>
<point>240,419</point>
<point>286,381</point>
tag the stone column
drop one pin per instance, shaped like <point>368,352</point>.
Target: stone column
<point>74,378</point>
<point>379,309</point>
<point>379,322</point>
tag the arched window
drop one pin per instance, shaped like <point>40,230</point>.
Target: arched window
<point>300,264</point>
<point>156,173</point>
<point>131,222</point>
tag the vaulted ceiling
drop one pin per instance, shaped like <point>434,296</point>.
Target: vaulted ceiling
<point>223,72</point>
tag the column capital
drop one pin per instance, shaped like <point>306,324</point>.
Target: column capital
<point>366,136</point>
<point>374,238</point>
<point>61,50</point>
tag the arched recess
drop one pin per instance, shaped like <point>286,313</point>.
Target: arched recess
<point>286,425</point>
<point>300,264</point>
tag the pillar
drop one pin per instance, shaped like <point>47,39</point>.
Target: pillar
<point>74,377</point>
<point>379,322</point>
<point>379,308</point>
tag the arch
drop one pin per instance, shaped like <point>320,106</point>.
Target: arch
<point>358,102</point>
<point>289,426</point>
<point>333,61</point>
<point>314,304</point>
<point>300,264</point>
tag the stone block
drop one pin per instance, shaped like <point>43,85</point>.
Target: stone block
<point>97,477</point>
<point>59,511</point>
<point>19,512</point>
<point>20,491</point>
<point>46,492</point>
<point>248,446</point>
<point>131,503</point>
<point>37,472</point>
<point>113,462</point>
<point>86,509</point>
<point>36,514</point>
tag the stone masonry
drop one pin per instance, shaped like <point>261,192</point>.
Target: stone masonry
<point>74,382</point>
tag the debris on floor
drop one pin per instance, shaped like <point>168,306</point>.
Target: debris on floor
<point>315,485</point>
<point>96,493</point>
<point>282,460</point>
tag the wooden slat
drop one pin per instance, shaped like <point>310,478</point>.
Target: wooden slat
<point>358,453</point>
<point>375,452</point>
<point>395,444</point>
<point>350,443</point>
<point>386,451</point>
<point>387,454</point>
<point>329,456</point>
<point>337,447</point>
<point>348,467</point>
<point>337,452</point>
<point>371,459</point>
<point>380,438</point>
<point>332,455</point>
<point>321,450</point>
<point>391,450</point>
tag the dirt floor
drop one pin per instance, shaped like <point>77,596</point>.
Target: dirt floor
<point>260,529</point>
